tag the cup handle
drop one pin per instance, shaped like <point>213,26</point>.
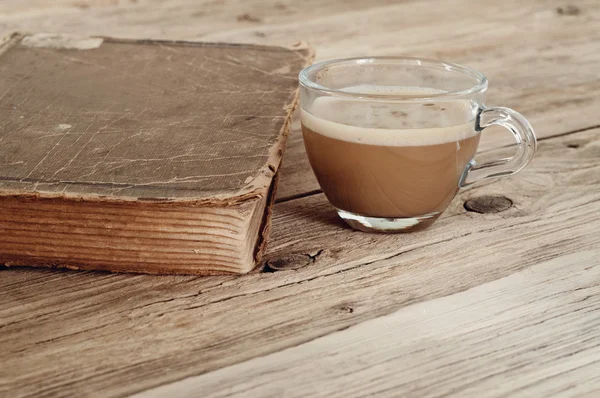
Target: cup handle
<point>525,139</point>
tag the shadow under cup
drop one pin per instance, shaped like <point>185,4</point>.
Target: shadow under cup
<point>391,140</point>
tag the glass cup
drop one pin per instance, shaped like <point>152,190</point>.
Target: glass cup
<point>391,140</point>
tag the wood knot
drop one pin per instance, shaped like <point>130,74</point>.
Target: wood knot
<point>569,9</point>
<point>488,204</point>
<point>345,309</point>
<point>291,262</point>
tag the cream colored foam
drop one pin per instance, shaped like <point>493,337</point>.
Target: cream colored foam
<point>388,123</point>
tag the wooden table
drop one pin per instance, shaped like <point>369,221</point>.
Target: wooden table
<point>502,301</point>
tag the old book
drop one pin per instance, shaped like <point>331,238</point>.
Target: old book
<point>138,155</point>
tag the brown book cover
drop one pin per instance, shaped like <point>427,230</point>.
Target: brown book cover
<point>141,155</point>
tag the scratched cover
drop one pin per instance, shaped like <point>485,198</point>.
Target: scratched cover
<point>143,120</point>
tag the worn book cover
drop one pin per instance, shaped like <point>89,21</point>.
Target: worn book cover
<point>140,155</point>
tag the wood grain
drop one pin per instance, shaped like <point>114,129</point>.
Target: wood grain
<point>485,341</point>
<point>101,328</point>
<point>86,334</point>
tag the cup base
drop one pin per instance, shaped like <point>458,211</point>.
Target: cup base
<point>388,225</point>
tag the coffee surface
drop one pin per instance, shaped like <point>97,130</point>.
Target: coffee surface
<point>384,159</point>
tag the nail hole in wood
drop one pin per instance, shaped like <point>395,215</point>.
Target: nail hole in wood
<point>574,146</point>
<point>488,204</point>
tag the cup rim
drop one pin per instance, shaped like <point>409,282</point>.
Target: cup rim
<point>481,86</point>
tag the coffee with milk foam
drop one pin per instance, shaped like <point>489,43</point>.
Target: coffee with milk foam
<point>387,159</point>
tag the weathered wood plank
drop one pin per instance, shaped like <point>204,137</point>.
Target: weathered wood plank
<point>102,329</point>
<point>77,333</point>
<point>533,333</point>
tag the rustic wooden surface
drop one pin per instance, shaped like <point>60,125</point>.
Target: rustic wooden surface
<point>502,299</point>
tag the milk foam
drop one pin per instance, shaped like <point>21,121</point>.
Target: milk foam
<point>387,123</point>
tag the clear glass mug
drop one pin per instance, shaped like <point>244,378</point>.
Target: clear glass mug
<point>391,140</point>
